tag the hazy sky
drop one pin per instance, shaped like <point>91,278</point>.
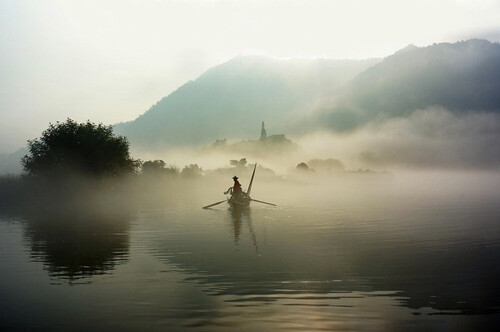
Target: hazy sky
<point>109,61</point>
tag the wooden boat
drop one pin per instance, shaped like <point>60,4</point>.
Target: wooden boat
<point>240,200</point>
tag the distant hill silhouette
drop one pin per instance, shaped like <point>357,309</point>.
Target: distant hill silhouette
<point>230,100</point>
<point>299,96</point>
<point>463,76</point>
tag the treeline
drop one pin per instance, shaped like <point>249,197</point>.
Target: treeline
<point>74,164</point>
<point>85,164</point>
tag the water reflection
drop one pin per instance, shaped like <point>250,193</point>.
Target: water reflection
<point>320,263</point>
<point>77,245</point>
<point>430,261</point>
<point>242,217</point>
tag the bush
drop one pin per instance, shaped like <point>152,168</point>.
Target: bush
<point>84,148</point>
<point>158,167</point>
<point>238,163</point>
<point>192,171</point>
<point>303,167</point>
<point>326,165</point>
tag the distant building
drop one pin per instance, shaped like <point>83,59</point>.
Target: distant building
<point>263,133</point>
<point>277,143</point>
<point>278,139</point>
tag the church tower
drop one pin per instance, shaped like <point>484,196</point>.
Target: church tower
<point>263,134</point>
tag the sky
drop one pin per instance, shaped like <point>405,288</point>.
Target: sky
<point>110,60</point>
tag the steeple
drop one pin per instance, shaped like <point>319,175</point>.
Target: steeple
<point>263,134</point>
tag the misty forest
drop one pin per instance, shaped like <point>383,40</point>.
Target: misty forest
<point>268,193</point>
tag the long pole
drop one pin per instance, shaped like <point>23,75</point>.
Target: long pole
<point>251,180</point>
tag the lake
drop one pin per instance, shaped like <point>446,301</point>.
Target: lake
<point>359,252</point>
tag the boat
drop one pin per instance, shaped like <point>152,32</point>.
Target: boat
<point>240,200</point>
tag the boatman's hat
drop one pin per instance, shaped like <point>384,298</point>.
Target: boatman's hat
<point>235,178</point>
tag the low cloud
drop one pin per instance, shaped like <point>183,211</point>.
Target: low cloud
<point>430,138</point>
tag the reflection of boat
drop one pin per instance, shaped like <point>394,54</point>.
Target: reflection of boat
<point>238,218</point>
<point>241,199</point>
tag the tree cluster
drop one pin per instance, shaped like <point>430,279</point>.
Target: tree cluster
<point>79,148</point>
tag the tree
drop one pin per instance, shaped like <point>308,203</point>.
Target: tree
<point>326,165</point>
<point>192,171</point>
<point>238,163</point>
<point>158,167</point>
<point>303,167</point>
<point>86,148</point>
<point>153,166</point>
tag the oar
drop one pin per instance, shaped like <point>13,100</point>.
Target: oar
<point>263,202</point>
<point>206,207</point>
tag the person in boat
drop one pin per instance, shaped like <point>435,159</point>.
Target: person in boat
<point>235,190</point>
<point>236,186</point>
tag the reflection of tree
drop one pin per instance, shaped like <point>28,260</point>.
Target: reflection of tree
<point>78,245</point>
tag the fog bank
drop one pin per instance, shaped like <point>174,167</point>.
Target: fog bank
<point>432,138</point>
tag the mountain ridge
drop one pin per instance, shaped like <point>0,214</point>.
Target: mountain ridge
<point>300,95</point>
<point>229,100</point>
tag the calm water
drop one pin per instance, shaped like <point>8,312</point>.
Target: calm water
<point>359,259</point>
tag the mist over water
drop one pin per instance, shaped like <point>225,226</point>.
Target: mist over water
<point>362,251</point>
<point>374,136</point>
<point>431,139</point>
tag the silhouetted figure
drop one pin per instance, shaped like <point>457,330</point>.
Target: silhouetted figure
<point>235,190</point>
<point>236,186</point>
